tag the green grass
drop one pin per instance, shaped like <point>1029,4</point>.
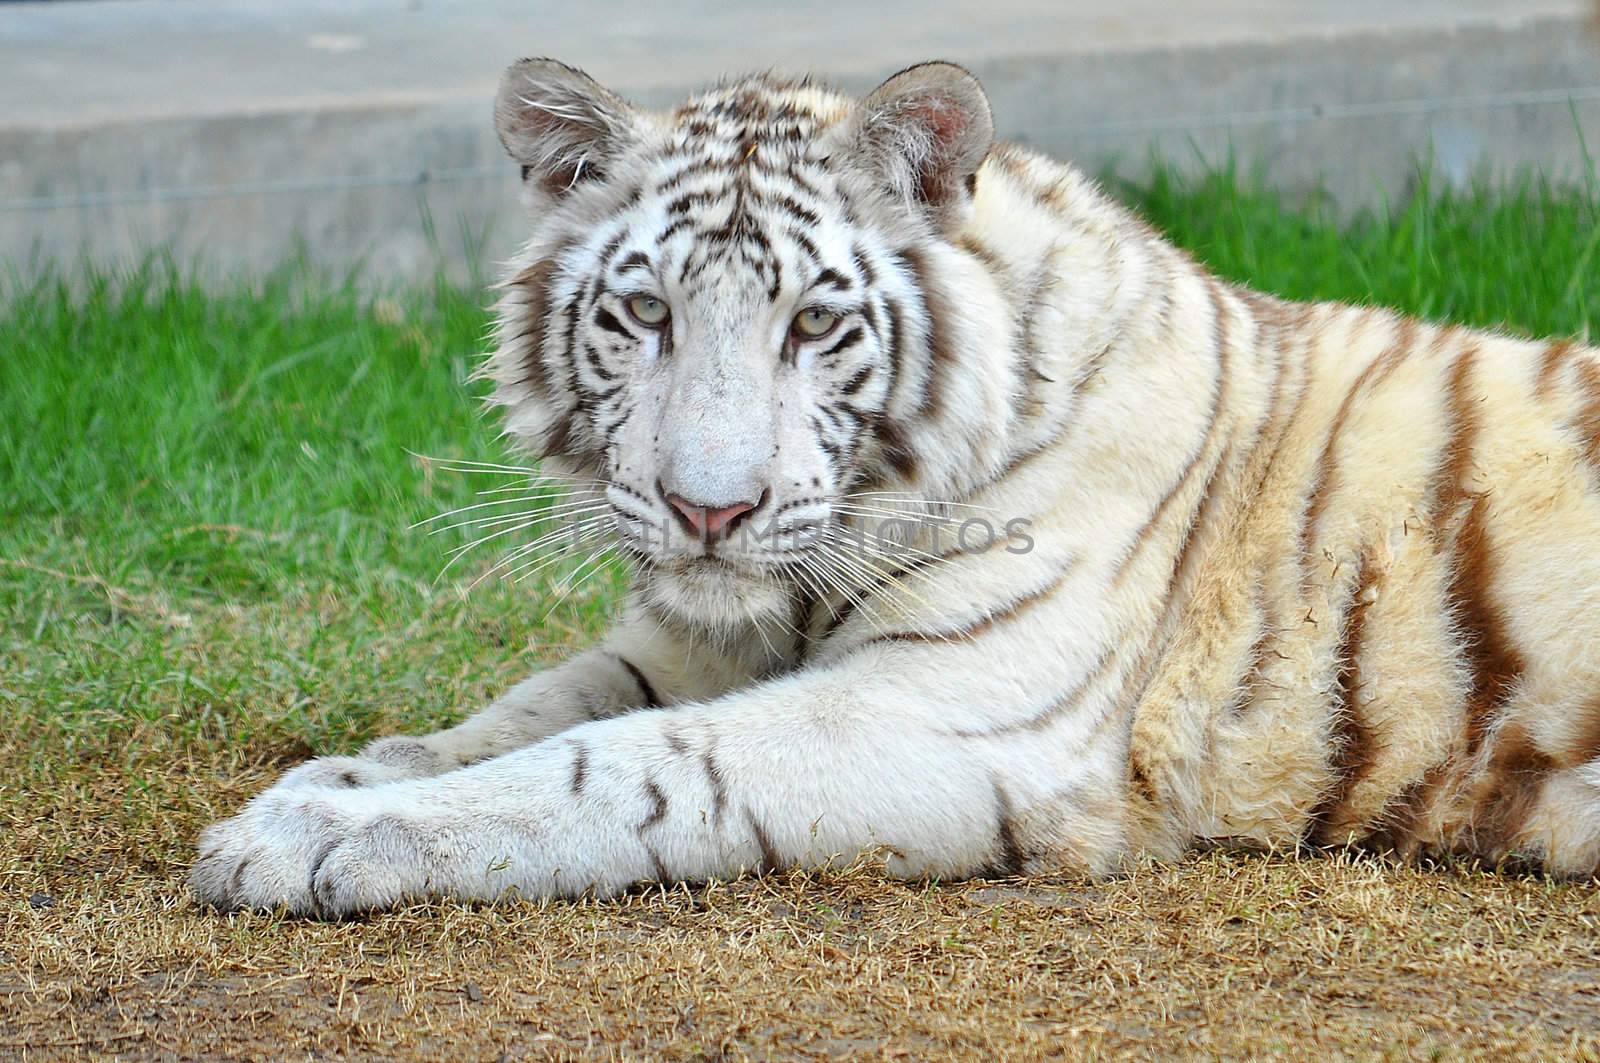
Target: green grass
<point>204,496</point>
<point>204,511</point>
<point>1521,257</point>
<point>145,403</point>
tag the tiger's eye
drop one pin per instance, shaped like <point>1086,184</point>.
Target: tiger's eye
<point>648,311</point>
<point>814,321</point>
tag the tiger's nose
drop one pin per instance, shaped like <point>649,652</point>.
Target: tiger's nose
<point>712,522</point>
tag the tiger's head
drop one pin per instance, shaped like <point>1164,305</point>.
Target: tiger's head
<point>730,318</point>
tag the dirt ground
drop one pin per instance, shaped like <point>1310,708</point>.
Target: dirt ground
<point>103,955</point>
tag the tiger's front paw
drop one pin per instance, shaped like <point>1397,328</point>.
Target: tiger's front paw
<point>340,773</point>
<point>299,852</point>
<point>386,760</point>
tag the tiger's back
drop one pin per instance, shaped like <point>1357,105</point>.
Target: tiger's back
<point>1394,643</point>
<point>1364,603</point>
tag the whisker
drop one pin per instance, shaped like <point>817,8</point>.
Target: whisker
<point>462,551</point>
<point>857,598</point>
<point>542,539</point>
<point>529,569</point>
<point>918,567</point>
<point>865,562</point>
<point>884,548</point>
<point>943,502</point>
<point>531,519</point>
<point>889,516</point>
<point>595,563</point>
<point>469,508</point>
<point>800,569</point>
<point>469,466</point>
<point>522,487</point>
<point>488,505</point>
<point>472,463</point>
<point>489,520</point>
<point>868,575</point>
<point>539,564</point>
<point>761,633</point>
<point>515,555</point>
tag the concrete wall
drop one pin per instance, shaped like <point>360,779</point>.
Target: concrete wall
<point>397,181</point>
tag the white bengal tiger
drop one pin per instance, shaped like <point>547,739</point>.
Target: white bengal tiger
<point>1273,574</point>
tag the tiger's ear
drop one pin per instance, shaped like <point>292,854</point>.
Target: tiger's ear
<point>560,124</point>
<point>924,132</point>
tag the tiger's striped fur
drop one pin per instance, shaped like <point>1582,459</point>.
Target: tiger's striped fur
<point>1299,574</point>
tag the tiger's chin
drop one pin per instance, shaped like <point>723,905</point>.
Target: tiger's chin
<point>720,593</point>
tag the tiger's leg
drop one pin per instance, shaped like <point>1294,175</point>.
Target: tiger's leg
<point>642,664</point>
<point>1535,799</point>
<point>1564,827</point>
<point>797,771</point>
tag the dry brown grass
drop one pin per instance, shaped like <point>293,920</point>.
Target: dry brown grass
<point>102,953</point>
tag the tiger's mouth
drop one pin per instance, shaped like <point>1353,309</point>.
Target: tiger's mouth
<point>719,565</point>
<point>718,590</point>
